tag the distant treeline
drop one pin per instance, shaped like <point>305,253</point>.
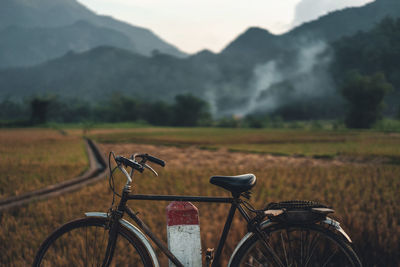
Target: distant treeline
<point>186,110</point>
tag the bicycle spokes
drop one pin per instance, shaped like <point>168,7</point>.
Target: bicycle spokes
<point>296,247</point>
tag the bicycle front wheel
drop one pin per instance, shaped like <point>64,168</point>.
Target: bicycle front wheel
<point>83,242</point>
<point>303,245</point>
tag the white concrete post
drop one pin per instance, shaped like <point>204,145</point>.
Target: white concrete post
<point>183,233</point>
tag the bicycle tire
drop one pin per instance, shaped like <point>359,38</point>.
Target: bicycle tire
<point>82,242</point>
<point>296,245</point>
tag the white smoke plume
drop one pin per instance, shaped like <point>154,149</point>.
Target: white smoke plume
<point>307,76</point>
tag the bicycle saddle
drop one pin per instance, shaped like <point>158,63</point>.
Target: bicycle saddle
<point>236,184</point>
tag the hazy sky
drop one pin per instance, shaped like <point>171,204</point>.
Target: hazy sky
<point>193,25</point>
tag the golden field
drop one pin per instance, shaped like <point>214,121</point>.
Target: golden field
<point>31,159</point>
<point>362,185</point>
<point>354,145</point>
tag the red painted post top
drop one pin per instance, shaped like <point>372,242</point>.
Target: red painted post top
<point>182,213</point>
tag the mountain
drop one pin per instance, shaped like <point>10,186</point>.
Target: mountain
<point>43,45</point>
<point>65,25</point>
<point>96,74</point>
<point>348,21</point>
<point>255,45</point>
<point>256,72</point>
<point>41,13</point>
<point>254,39</point>
<point>261,45</point>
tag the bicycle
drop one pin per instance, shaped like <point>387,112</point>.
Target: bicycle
<point>291,233</point>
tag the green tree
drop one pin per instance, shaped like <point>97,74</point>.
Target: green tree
<point>69,110</point>
<point>39,110</point>
<point>10,110</point>
<point>118,108</point>
<point>254,121</point>
<point>365,96</point>
<point>398,113</point>
<point>158,113</point>
<point>189,110</point>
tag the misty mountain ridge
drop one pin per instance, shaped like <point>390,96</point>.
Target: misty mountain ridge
<point>260,43</point>
<point>41,13</point>
<point>49,43</point>
<point>96,74</point>
<point>256,72</point>
<point>59,21</point>
<point>295,66</point>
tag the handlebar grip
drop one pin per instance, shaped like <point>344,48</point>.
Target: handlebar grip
<point>130,163</point>
<point>155,160</point>
<point>152,159</point>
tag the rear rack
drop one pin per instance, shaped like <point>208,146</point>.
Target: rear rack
<point>297,211</point>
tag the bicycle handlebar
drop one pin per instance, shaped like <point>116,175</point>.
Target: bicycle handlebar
<point>130,163</point>
<point>152,159</point>
<point>139,166</point>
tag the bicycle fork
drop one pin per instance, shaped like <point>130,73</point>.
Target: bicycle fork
<point>116,215</point>
<point>112,238</point>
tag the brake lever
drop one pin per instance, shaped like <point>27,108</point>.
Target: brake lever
<point>132,157</point>
<point>150,168</point>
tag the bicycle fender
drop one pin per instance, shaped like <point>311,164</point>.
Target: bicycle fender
<point>336,225</point>
<point>134,231</point>
<point>329,221</point>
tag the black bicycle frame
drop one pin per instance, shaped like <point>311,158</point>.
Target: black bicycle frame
<point>234,201</point>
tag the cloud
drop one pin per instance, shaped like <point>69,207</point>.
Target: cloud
<point>307,10</point>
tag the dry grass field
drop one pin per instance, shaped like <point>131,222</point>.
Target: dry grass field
<point>363,188</point>
<point>356,145</point>
<point>31,159</point>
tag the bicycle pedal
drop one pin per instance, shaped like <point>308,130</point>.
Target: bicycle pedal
<point>209,256</point>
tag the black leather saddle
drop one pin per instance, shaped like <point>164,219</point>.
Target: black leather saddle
<point>235,184</point>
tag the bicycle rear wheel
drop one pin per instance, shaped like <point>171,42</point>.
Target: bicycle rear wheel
<point>83,242</point>
<point>302,245</point>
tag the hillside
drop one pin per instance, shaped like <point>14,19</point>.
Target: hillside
<point>348,21</point>
<point>261,45</point>
<point>257,72</point>
<point>65,25</point>
<point>43,45</point>
<point>96,74</point>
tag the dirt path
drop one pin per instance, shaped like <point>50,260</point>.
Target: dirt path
<point>97,170</point>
